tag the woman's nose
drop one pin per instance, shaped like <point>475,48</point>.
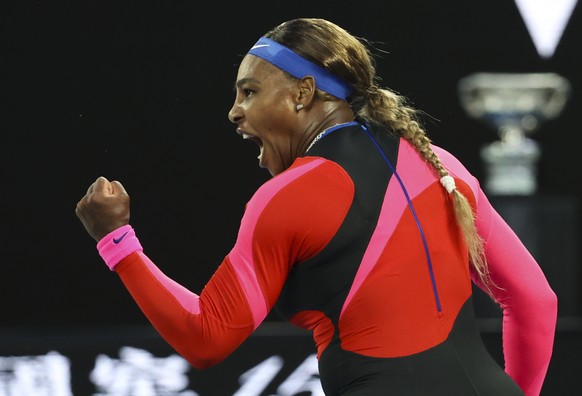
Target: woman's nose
<point>234,115</point>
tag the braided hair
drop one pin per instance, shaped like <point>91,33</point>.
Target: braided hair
<point>349,57</point>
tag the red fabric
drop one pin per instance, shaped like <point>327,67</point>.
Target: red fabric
<point>398,297</point>
<point>205,339</point>
<point>397,302</point>
<point>529,305</point>
<point>225,318</point>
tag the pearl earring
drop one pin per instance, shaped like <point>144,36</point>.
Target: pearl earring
<point>299,106</point>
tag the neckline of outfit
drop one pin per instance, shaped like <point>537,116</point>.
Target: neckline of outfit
<point>327,131</point>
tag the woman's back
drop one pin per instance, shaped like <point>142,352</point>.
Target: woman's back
<point>389,296</point>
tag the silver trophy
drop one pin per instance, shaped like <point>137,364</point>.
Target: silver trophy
<point>515,105</point>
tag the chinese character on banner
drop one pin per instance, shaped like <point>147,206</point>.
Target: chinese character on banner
<point>139,373</point>
<point>43,375</point>
<point>303,380</point>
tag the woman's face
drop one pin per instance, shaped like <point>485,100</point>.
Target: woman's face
<point>265,112</point>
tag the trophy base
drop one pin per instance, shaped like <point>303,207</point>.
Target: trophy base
<point>511,167</point>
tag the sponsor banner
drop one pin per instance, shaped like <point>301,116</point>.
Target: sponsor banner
<point>136,361</point>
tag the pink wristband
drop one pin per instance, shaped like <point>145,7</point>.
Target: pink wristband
<point>117,245</point>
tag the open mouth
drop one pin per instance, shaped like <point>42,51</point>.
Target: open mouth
<point>252,138</point>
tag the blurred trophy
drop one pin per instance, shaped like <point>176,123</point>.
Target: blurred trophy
<point>515,105</point>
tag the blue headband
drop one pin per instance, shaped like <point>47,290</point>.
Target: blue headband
<point>299,67</point>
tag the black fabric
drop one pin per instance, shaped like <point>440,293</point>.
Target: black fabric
<point>323,282</point>
<point>460,366</point>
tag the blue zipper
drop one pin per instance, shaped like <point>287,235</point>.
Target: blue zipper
<point>424,242</point>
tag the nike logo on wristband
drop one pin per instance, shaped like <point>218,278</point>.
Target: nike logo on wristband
<point>117,240</point>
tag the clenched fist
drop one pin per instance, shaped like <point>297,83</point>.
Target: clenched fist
<point>104,208</point>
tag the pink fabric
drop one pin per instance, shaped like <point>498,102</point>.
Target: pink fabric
<point>242,256</point>
<point>112,253</point>
<point>187,299</point>
<point>117,245</point>
<point>456,169</point>
<point>416,176</point>
<point>530,306</point>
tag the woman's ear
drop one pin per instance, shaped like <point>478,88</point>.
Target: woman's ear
<point>306,90</point>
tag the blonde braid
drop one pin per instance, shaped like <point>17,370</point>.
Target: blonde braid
<point>350,58</point>
<point>388,108</point>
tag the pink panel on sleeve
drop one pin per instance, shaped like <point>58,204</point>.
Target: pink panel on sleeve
<point>188,300</point>
<point>241,256</point>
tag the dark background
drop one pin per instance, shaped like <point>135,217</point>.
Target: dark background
<point>139,92</point>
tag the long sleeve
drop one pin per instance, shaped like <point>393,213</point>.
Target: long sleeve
<point>203,329</point>
<point>522,291</point>
<point>206,328</point>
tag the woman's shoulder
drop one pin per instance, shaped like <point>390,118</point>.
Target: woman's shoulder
<point>314,172</point>
<point>308,179</point>
<point>456,168</point>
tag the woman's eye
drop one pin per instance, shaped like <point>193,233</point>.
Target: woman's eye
<point>248,92</point>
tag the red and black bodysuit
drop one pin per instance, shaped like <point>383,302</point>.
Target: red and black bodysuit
<point>357,242</point>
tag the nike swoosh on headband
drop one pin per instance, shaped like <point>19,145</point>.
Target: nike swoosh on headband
<point>286,59</point>
<point>259,46</point>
